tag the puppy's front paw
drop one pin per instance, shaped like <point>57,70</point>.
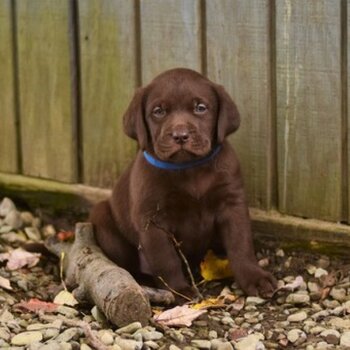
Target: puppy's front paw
<point>256,281</point>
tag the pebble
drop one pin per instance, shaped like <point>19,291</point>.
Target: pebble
<point>201,344</point>
<point>151,344</point>
<point>338,294</point>
<point>128,344</point>
<point>345,339</point>
<point>130,328</point>
<point>320,272</point>
<point>6,206</point>
<point>174,347</point>
<point>26,338</point>
<point>331,336</point>
<point>297,317</point>
<point>68,334</point>
<point>251,342</point>
<point>33,233</point>
<point>217,344</point>
<point>255,301</point>
<point>13,219</point>
<point>298,298</point>
<point>106,337</point>
<point>296,336</point>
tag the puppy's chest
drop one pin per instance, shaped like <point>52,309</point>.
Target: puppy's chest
<point>190,220</point>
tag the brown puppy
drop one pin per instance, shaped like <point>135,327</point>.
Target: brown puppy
<point>187,183</point>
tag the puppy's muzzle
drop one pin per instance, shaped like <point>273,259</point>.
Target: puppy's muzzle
<point>180,135</point>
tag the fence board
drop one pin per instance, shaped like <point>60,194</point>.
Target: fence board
<point>108,79</point>
<point>170,36</point>
<point>309,107</point>
<point>8,139</point>
<point>238,46</point>
<point>45,89</point>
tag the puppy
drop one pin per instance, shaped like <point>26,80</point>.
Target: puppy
<point>184,184</point>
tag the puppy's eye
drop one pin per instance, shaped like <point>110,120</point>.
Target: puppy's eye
<point>200,108</point>
<point>159,112</point>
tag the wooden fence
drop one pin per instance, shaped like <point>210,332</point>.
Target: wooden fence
<point>68,69</point>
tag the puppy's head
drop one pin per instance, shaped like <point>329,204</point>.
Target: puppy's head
<point>180,116</point>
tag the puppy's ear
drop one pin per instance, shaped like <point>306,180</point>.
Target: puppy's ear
<point>228,118</point>
<point>134,120</point>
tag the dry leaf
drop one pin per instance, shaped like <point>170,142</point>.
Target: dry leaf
<point>65,298</point>
<point>5,283</point>
<point>65,236</point>
<point>37,305</point>
<point>297,283</point>
<point>18,258</point>
<point>179,316</point>
<point>214,268</point>
<point>209,303</point>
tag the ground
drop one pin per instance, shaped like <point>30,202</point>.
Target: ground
<point>312,312</point>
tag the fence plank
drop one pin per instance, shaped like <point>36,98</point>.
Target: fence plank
<point>238,46</point>
<point>8,139</point>
<point>309,107</point>
<point>108,79</point>
<point>45,89</point>
<point>170,36</point>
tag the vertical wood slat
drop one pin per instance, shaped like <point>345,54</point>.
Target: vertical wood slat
<point>47,120</point>
<point>8,135</point>
<point>238,46</point>
<point>108,79</point>
<point>170,36</point>
<point>309,107</point>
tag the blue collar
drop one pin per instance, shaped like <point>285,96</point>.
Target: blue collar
<point>181,166</point>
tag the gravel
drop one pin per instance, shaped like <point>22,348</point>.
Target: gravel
<point>315,315</point>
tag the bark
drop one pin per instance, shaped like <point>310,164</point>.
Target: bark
<point>100,281</point>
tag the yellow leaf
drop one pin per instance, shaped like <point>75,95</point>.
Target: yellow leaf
<point>208,303</point>
<point>214,268</point>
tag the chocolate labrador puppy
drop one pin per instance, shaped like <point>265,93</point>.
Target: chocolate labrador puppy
<point>184,186</point>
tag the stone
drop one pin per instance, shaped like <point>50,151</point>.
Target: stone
<point>320,272</point>
<point>98,315</point>
<point>280,253</point>
<point>298,298</point>
<point>33,233</point>
<point>313,287</point>
<point>212,334</point>
<point>174,347</point>
<point>316,330</point>
<point>338,294</point>
<point>50,333</point>
<point>251,342</point>
<point>13,219</point>
<point>52,345</point>
<point>323,262</point>
<point>4,334</point>
<point>6,206</point>
<point>153,335</point>
<point>339,323</point>
<point>217,344</point>
<point>130,328</point>
<point>128,344</point>
<point>297,317</point>
<point>296,336</point>
<point>151,344</point>
<point>201,344</point>
<point>68,334</point>
<point>85,347</point>
<point>27,218</point>
<point>26,338</point>
<point>331,336</point>
<point>106,337</point>
<point>255,301</point>
<point>345,339</point>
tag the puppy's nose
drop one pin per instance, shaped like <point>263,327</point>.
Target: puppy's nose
<point>180,136</point>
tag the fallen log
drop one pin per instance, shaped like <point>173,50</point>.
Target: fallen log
<point>100,281</point>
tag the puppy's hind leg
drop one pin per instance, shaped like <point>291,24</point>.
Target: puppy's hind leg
<point>110,240</point>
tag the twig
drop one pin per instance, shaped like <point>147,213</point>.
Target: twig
<point>173,290</point>
<point>185,261</point>
<point>182,256</point>
<point>90,336</point>
<point>62,256</point>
